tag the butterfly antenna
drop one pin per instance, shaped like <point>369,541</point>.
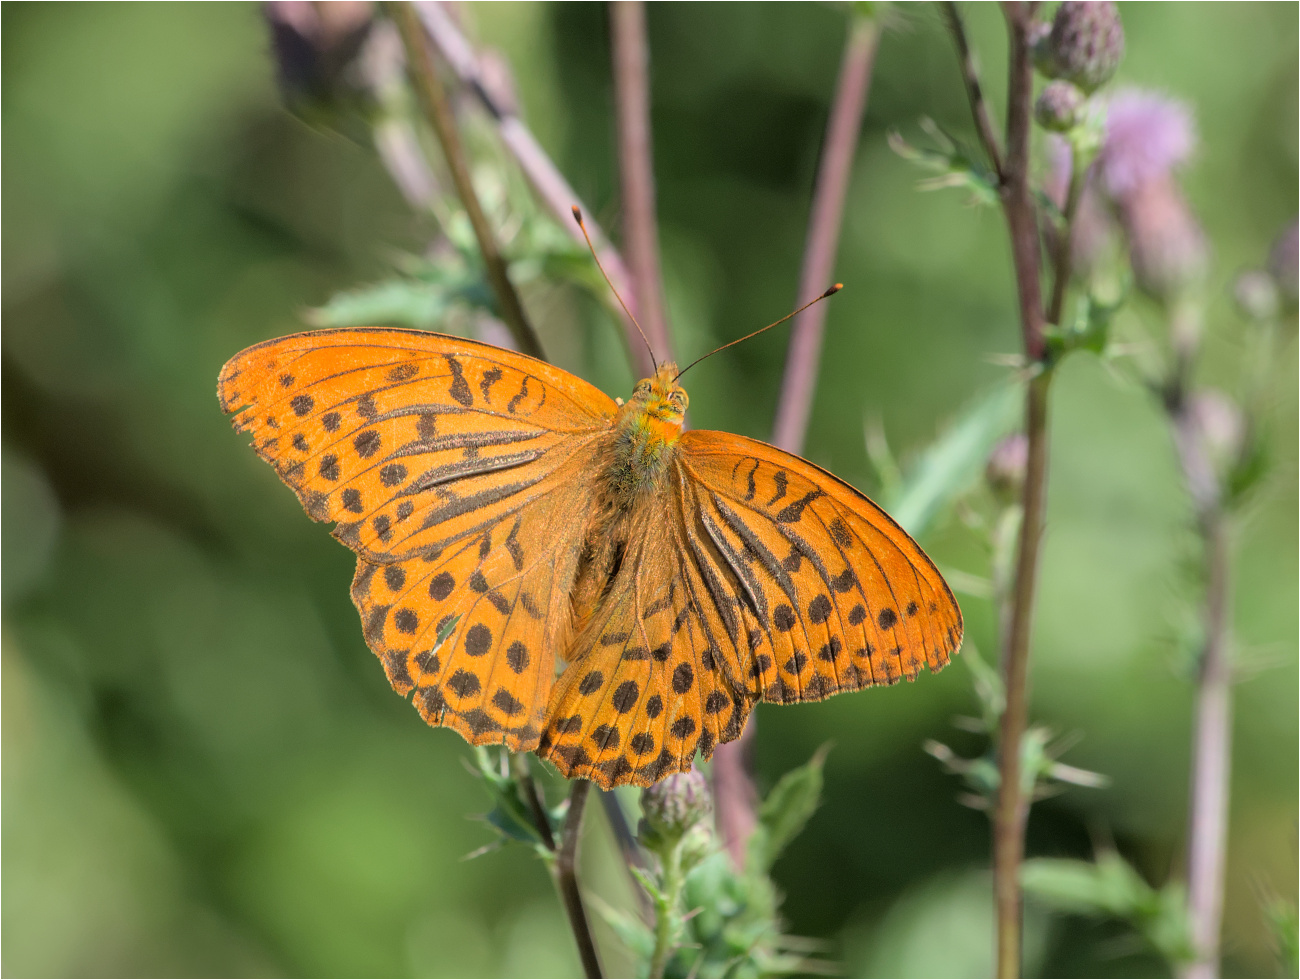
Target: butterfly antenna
<point>830,292</point>
<point>577,216</point>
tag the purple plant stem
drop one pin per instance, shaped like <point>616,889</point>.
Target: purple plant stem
<point>1207,831</point>
<point>802,358</point>
<point>1211,762</point>
<point>538,168</point>
<point>735,796</point>
<point>735,799</point>
<point>433,100</point>
<point>631,57</point>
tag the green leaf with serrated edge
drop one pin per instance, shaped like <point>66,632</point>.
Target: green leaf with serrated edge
<point>951,163</point>
<point>1107,886</point>
<point>785,811</point>
<point>1110,886</point>
<point>631,931</point>
<point>956,459</point>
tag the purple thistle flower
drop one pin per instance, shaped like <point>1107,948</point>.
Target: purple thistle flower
<point>1147,135</point>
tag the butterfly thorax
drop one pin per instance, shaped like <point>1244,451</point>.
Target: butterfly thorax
<point>646,431</point>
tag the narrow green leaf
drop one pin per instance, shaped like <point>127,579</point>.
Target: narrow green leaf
<point>956,460</point>
<point>785,811</point>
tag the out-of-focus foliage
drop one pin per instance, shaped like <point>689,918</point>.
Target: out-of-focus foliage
<point>711,918</point>
<point>205,770</point>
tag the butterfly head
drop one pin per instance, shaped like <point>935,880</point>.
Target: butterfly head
<point>659,403</point>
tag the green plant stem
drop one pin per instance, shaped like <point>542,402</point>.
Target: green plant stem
<point>1064,258</point>
<point>566,876</point>
<point>437,109</point>
<point>666,902</point>
<point>519,762</point>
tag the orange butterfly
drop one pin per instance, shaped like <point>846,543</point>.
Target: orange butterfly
<point>550,569</point>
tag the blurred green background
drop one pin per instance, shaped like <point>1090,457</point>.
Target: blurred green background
<point>205,771</point>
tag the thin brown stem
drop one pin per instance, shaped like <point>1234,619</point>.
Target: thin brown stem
<point>433,100</point>
<point>842,130</point>
<point>970,76</point>
<point>1063,266</point>
<point>566,876</point>
<point>621,830</point>
<point>538,168</point>
<point>1012,807</point>
<point>1017,197</point>
<point>523,776</point>
<point>631,59</point>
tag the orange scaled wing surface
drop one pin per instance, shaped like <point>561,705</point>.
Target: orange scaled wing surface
<point>831,595</point>
<point>461,475</point>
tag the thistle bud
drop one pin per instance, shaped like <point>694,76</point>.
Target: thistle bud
<point>674,805</point>
<point>1005,471</point>
<point>1085,45</point>
<point>1058,107</point>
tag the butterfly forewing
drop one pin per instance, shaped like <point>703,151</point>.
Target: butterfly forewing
<point>455,471</point>
<point>841,597</point>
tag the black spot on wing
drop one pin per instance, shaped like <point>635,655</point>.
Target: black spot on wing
<point>459,388</point>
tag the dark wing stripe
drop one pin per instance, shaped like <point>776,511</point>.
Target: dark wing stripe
<point>470,467</point>
<point>753,592</point>
<point>755,546</point>
<point>461,440</point>
<point>718,594</point>
<point>460,506</point>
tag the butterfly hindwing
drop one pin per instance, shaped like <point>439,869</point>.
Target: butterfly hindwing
<point>472,629</point>
<point>644,691</point>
